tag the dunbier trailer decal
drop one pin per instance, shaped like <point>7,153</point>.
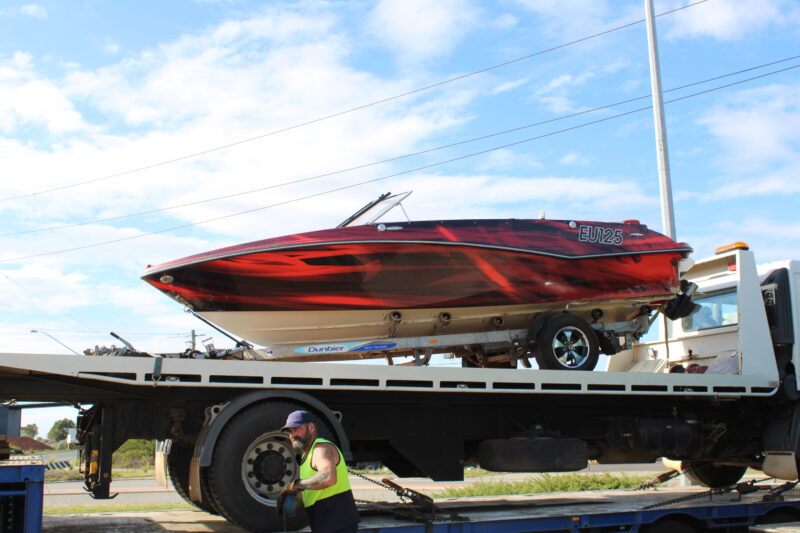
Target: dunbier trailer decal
<point>345,347</point>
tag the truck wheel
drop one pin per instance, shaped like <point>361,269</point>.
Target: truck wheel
<point>566,342</point>
<point>713,476</point>
<point>178,463</point>
<point>253,460</point>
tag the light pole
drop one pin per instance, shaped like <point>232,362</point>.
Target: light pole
<point>58,341</point>
<point>665,186</point>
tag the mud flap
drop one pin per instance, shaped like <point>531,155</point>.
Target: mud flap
<point>160,463</point>
<point>781,465</point>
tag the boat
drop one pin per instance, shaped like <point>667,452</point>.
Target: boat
<point>366,280</point>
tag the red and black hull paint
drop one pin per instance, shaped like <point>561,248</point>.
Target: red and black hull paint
<point>437,264</point>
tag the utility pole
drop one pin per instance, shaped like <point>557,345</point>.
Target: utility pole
<point>665,187</point>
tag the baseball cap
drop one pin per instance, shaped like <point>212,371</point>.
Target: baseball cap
<point>297,419</point>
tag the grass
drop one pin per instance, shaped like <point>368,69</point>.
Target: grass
<point>471,471</point>
<point>545,483</point>
<point>117,508</point>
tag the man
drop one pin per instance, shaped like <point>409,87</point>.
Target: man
<point>323,480</point>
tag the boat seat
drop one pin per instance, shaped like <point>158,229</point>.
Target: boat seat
<point>652,366</point>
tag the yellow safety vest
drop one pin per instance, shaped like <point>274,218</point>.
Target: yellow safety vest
<point>310,497</point>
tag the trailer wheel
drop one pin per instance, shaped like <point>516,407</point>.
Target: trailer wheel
<point>712,476</point>
<point>178,463</point>
<point>253,460</point>
<point>566,342</point>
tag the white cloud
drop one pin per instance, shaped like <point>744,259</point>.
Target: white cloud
<point>492,196</point>
<point>760,145</point>
<point>509,85</point>
<point>417,30</point>
<point>731,20</point>
<point>556,94</point>
<point>27,99</point>
<point>111,48</point>
<point>506,21</point>
<point>571,18</point>
<point>34,10</point>
<point>573,158</point>
<point>180,99</point>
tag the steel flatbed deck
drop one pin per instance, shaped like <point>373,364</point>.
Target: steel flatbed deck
<point>144,374</point>
<point>617,510</point>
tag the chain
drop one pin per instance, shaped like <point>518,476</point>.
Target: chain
<point>402,496</point>
<point>742,488</point>
<point>415,505</point>
<point>658,480</point>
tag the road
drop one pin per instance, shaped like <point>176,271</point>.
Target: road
<point>141,491</point>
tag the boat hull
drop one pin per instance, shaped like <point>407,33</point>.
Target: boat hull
<point>298,328</point>
<point>343,284</point>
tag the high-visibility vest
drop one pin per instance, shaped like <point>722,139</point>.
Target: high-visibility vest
<point>310,497</point>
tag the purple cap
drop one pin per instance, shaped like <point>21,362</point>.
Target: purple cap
<point>297,419</point>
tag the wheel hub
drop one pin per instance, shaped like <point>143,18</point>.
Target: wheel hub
<point>268,465</point>
<point>570,346</point>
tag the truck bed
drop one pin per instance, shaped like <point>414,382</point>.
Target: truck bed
<point>82,378</point>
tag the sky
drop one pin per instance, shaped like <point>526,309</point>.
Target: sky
<point>122,124</point>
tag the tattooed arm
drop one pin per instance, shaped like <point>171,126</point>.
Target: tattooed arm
<point>324,460</point>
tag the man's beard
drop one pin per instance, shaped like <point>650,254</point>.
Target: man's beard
<point>300,443</point>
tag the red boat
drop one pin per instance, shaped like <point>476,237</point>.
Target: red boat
<point>361,282</point>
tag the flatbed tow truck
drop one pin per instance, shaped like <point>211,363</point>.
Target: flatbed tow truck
<point>735,406</point>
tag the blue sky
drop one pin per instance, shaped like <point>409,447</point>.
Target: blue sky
<point>91,89</point>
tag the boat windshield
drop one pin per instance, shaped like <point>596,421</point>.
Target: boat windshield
<point>374,210</point>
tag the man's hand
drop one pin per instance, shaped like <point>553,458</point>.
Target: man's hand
<point>291,493</point>
<point>290,489</point>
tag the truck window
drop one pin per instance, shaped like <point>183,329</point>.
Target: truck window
<point>716,309</point>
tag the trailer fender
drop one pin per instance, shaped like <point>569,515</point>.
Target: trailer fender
<point>222,414</point>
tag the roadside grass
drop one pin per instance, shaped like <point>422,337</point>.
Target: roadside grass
<point>116,508</point>
<point>472,471</point>
<point>545,483</point>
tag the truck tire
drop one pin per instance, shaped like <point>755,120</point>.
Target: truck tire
<point>712,476</point>
<point>252,462</point>
<point>178,463</point>
<point>566,342</point>
<point>533,455</point>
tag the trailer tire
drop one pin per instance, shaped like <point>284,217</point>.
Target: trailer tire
<point>712,476</point>
<point>178,463</point>
<point>236,496</point>
<point>566,342</point>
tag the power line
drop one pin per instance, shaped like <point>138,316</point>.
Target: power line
<point>28,290</point>
<point>424,167</point>
<point>340,113</point>
<point>392,159</point>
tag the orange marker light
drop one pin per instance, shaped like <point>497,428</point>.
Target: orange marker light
<point>729,247</point>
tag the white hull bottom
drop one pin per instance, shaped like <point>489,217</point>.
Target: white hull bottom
<point>297,328</point>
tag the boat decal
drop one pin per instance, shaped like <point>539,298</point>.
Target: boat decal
<point>600,235</point>
<point>344,347</point>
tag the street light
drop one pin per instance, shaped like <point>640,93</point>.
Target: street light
<point>58,341</point>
